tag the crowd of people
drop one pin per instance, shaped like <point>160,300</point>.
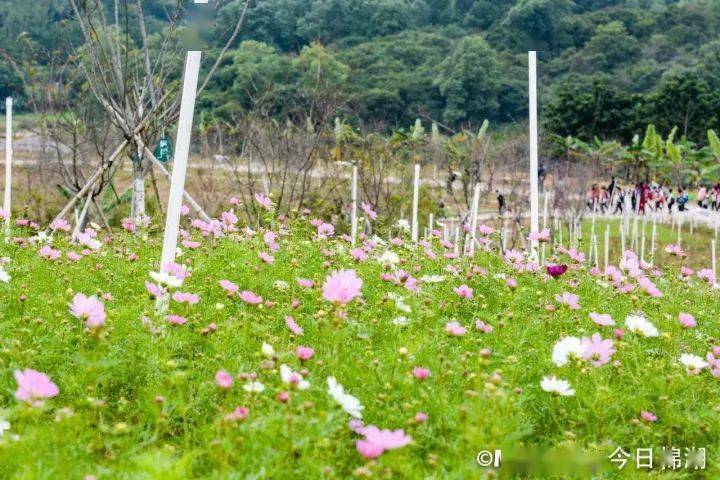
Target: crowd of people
<point>646,197</point>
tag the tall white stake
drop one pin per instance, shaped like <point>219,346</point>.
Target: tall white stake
<point>534,203</point>
<point>714,264</point>
<point>182,150</point>
<point>353,218</point>
<point>652,240</point>
<point>473,217</point>
<point>607,245</point>
<point>416,199</point>
<point>8,165</point>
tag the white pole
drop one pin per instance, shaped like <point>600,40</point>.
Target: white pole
<point>431,223</point>
<point>353,219</point>
<point>679,232</point>
<point>8,165</point>
<point>416,199</point>
<point>182,150</point>
<point>473,217</point>
<point>595,251</point>
<point>652,240</point>
<point>607,245</point>
<point>534,203</point>
<point>714,264</point>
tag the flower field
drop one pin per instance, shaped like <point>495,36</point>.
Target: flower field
<point>282,351</point>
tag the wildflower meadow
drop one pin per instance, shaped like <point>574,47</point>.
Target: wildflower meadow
<point>280,350</point>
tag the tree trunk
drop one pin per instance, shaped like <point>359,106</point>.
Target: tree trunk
<point>138,187</point>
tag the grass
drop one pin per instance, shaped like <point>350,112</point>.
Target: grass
<point>137,404</point>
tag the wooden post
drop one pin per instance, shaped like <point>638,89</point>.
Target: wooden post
<point>534,207</point>
<point>182,144</point>
<point>416,200</point>
<point>8,165</point>
<point>353,195</point>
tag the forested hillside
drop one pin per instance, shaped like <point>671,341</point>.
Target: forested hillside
<point>608,67</point>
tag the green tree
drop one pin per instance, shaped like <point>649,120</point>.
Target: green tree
<point>469,81</point>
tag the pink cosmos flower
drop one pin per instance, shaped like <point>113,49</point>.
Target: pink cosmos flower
<point>184,209</point>
<point>34,386</point>
<point>367,208</point>
<point>368,450</point>
<point>183,297</point>
<point>264,201</point>
<point>89,309</point>
<point>325,230</point>
<point>511,283</point>
<point>576,256</point>
<point>4,214</point>
<point>602,319</point>
<point>483,327</point>
<point>706,274</point>
<point>190,244</point>
<point>570,300</point>
<point>229,287</point>
<point>687,320</point>
<point>464,291</point>
<point>454,328</point>
<point>267,258</point>
<point>378,441</point>
<point>618,333</point>
<point>342,286</point>
<point>485,229</point>
<point>48,252</point>
<point>250,298</point>
<point>74,257</point>
<point>293,326</point>
<point>358,254</point>
<point>176,270</point>
<point>648,416</point>
<point>223,380</point>
<point>304,353</point>
<point>305,283</point>
<point>60,224</point>
<point>234,201</point>
<point>240,413</point>
<point>129,225</point>
<point>675,250</point>
<point>598,351</point>
<point>176,319</point>
<point>541,236</point>
<point>154,290</point>
<point>421,373</point>
<point>646,284</point>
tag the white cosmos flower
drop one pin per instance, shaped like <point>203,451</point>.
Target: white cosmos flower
<point>637,323</point>
<point>558,386</point>
<point>693,363</point>
<point>4,276</point>
<point>433,278</point>
<point>349,403</point>
<point>164,278</point>
<point>267,350</point>
<point>256,387</point>
<point>293,379</point>
<point>567,348</point>
<point>281,284</point>
<point>403,224</point>
<point>389,258</point>
<point>401,321</point>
